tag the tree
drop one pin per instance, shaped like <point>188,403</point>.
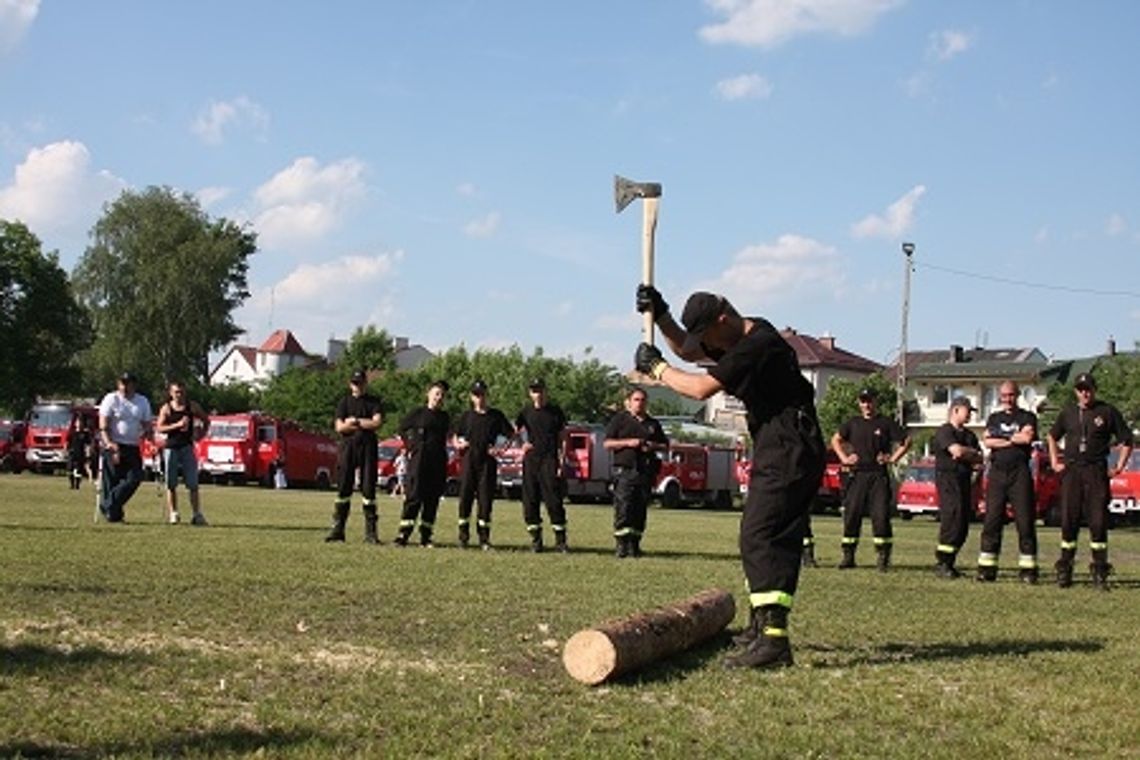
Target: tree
<point>1117,382</point>
<point>368,349</point>
<point>42,326</point>
<point>841,401</point>
<point>162,280</point>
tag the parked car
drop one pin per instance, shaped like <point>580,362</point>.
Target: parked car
<point>1124,504</point>
<point>918,494</point>
<point>1046,489</point>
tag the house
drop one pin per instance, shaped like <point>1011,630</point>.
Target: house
<point>821,361</point>
<point>246,364</point>
<point>407,355</point>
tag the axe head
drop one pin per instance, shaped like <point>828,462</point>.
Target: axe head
<point>625,191</point>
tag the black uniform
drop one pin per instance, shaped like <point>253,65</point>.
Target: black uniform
<point>425,434</point>
<point>1010,481</point>
<point>357,450</point>
<point>78,448</point>
<point>634,472</point>
<point>1087,435</point>
<point>541,470</point>
<point>480,468</point>
<point>953,479</point>
<point>869,489</point>
<point>787,459</point>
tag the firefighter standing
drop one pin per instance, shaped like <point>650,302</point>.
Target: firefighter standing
<point>478,433</point>
<point>358,417</point>
<point>543,423</point>
<point>634,437</point>
<point>756,365</point>
<point>425,433</point>
<point>956,453</point>
<point>1087,428</point>
<point>876,442</point>
<point>1010,433</point>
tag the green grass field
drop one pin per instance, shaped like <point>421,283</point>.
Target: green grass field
<point>252,636</point>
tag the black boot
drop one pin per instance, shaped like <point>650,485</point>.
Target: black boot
<point>883,557</point>
<point>635,546</point>
<point>484,538</point>
<point>340,516</point>
<point>770,648</point>
<point>560,544</point>
<point>403,535</point>
<point>848,560</point>
<point>464,534</point>
<point>1028,576</point>
<point>621,546</point>
<point>986,574</point>
<point>944,566</point>
<point>751,631</point>
<point>1064,570</point>
<point>807,559</point>
<point>536,540</point>
<point>425,537</point>
<point>1100,572</point>
<point>370,520</point>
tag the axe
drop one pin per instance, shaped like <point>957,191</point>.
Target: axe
<point>625,191</point>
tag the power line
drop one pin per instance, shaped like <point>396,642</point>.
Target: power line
<point>1026,284</point>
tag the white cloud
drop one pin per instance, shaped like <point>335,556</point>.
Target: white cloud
<point>917,84</point>
<point>466,189</point>
<point>1116,225</point>
<point>1042,235</point>
<point>208,196</point>
<point>305,200</point>
<point>483,227</point>
<point>16,16</point>
<point>791,264</point>
<point>896,221</point>
<point>322,284</point>
<point>744,86</point>
<point>768,23</point>
<point>220,115</point>
<point>56,192</point>
<point>949,43</point>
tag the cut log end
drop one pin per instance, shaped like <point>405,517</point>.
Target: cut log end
<point>590,657</point>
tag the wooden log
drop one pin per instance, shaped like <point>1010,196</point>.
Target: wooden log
<point>622,646</point>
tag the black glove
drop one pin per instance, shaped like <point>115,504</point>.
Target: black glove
<point>649,299</point>
<point>649,361</point>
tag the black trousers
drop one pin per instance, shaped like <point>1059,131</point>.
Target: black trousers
<point>355,457</point>
<point>631,501</point>
<point>1013,486</point>
<point>541,485</point>
<point>954,510</point>
<point>1085,494</point>
<point>425,485</point>
<point>120,480</point>
<point>787,467</point>
<point>478,484</point>
<point>869,492</point>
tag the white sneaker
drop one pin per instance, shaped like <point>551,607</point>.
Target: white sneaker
<point>173,519</point>
<point>198,519</point>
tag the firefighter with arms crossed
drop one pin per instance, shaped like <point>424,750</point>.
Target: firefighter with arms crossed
<point>477,436</point>
<point>876,442</point>
<point>425,432</point>
<point>1087,428</point>
<point>956,453</point>
<point>634,438</point>
<point>358,417</point>
<point>757,366</point>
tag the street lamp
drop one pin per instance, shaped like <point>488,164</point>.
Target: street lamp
<point>900,376</point>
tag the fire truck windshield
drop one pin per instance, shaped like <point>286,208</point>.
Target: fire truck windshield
<point>50,417</point>
<point>228,431</point>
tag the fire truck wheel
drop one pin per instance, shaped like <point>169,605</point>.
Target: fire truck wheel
<point>906,515</point>
<point>323,482</point>
<point>671,496</point>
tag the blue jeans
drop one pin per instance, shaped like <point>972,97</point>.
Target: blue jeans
<point>120,480</point>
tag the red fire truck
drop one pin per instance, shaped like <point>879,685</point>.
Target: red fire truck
<point>252,447</point>
<point>1124,505</point>
<point>510,470</point>
<point>390,448</point>
<point>698,474</point>
<point>587,465</point>
<point>12,446</point>
<point>48,429</point>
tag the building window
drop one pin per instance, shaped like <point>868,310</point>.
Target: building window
<point>940,394</point>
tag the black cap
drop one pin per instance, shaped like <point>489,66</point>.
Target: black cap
<point>537,384</point>
<point>866,394</point>
<point>359,378</point>
<point>1085,380</point>
<point>442,384</point>
<point>479,388</point>
<point>963,401</point>
<point>701,311</point>
<point>128,377</point>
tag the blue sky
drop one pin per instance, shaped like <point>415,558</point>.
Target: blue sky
<point>444,169</point>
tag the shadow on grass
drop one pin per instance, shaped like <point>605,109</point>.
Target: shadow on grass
<point>220,742</point>
<point>61,588</point>
<point>25,658</point>
<point>895,653</point>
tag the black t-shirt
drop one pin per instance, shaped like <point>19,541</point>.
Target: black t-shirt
<point>543,427</point>
<point>425,434</point>
<point>762,371</point>
<point>625,425</point>
<point>1088,433</point>
<point>871,437</point>
<point>1003,424</point>
<point>481,430</point>
<point>363,407</point>
<point>944,437</point>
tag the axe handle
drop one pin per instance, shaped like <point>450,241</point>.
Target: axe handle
<point>648,234</point>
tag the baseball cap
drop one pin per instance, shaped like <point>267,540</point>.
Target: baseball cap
<point>359,378</point>
<point>479,388</point>
<point>128,377</point>
<point>963,401</point>
<point>701,311</point>
<point>1085,380</point>
<point>866,394</point>
<point>537,384</point>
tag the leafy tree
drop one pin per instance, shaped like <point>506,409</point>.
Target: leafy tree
<point>841,401</point>
<point>307,396</point>
<point>370,349</point>
<point>1117,382</point>
<point>42,326</point>
<point>162,280</point>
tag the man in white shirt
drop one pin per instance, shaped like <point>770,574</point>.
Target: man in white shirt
<point>124,418</point>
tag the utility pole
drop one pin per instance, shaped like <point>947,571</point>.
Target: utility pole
<point>900,376</point>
